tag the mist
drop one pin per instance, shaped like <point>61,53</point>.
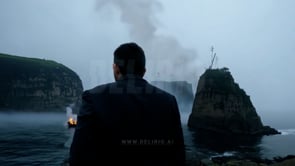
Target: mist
<point>16,118</point>
<point>255,40</point>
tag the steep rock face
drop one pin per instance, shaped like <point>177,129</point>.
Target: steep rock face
<point>220,105</point>
<point>36,84</point>
<point>182,91</point>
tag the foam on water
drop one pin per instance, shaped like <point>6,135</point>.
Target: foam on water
<point>225,154</point>
<point>287,131</point>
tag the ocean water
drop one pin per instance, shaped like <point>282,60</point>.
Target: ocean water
<point>33,139</point>
<point>208,145</point>
<point>43,139</point>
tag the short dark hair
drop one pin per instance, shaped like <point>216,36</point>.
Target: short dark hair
<point>130,58</point>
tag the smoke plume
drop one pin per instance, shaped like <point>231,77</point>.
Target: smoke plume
<point>166,58</point>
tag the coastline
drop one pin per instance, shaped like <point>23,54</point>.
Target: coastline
<point>235,161</point>
<point>288,160</point>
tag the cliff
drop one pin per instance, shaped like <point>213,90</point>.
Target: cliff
<point>182,91</point>
<point>220,105</point>
<point>36,84</point>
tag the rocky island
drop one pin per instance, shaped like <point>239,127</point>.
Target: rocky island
<point>221,106</point>
<point>36,84</point>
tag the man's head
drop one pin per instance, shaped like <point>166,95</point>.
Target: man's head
<point>129,59</point>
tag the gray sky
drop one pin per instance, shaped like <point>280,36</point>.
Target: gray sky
<point>255,39</point>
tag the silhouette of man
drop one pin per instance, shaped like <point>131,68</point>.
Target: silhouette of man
<point>129,121</point>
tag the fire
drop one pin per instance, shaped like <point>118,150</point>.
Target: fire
<point>72,122</point>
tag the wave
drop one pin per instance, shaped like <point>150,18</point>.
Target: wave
<point>287,131</point>
<point>225,154</point>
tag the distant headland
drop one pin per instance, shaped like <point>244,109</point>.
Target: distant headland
<point>36,84</point>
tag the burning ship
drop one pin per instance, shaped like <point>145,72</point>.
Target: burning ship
<point>72,122</point>
<point>72,118</point>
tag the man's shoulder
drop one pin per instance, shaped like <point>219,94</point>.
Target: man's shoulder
<point>113,87</point>
<point>100,89</point>
<point>160,91</point>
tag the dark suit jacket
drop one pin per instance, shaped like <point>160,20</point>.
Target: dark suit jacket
<point>129,122</point>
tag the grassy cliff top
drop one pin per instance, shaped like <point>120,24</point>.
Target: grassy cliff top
<point>221,80</point>
<point>11,64</point>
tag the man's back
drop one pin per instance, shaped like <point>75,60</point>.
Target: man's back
<point>130,122</point>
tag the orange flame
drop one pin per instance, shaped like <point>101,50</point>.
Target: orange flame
<point>72,121</point>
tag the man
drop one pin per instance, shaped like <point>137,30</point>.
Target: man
<point>129,122</point>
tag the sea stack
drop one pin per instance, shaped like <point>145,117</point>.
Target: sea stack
<point>220,105</point>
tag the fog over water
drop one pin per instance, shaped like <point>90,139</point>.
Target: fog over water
<point>254,39</point>
<point>10,117</point>
<point>44,139</point>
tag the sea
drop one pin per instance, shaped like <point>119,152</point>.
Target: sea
<point>44,139</point>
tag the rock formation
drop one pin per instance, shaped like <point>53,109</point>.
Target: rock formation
<point>36,84</point>
<point>182,90</point>
<point>240,161</point>
<point>220,105</point>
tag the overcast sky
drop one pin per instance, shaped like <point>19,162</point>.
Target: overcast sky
<point>254,39</point>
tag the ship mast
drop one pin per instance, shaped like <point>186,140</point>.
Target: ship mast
<point>213,56</point>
